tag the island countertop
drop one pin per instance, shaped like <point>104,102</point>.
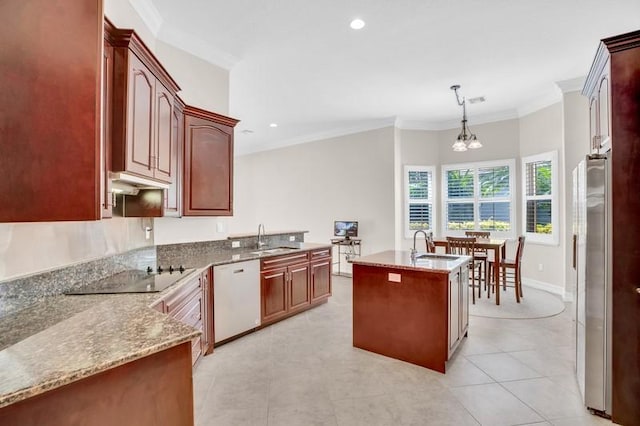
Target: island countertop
<point>401,259</point>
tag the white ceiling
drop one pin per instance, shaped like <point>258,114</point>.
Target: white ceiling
<point>297,63</point>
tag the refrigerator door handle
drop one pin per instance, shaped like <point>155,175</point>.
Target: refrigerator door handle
<point>575,252</point>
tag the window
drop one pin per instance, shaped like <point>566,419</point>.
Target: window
<point>539,197</point>
<point>478,196</point>
<point>419,211</point>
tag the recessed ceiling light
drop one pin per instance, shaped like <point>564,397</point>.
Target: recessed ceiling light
<point>357,24</point>
<point>273,125</point>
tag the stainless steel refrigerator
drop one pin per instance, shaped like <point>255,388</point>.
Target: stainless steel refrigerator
<point>592,260</point>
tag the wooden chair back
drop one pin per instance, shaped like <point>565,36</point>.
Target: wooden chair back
<point>520,249</point>
<point>461,245</point>
<point>478,234</point>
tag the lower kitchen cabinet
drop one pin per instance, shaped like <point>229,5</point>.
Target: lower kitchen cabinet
<point>192,303</point>
<point>320,269</point>
<point>458,306</point>
<point>154,390</point>
<point>292,283</point>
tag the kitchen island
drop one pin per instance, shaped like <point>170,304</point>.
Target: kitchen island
<point>414,309</point>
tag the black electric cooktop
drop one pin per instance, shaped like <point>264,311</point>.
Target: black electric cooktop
<point>134,281</point>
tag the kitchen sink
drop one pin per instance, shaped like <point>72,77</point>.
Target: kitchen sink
<point>431,256</point>
<point>274,250</point>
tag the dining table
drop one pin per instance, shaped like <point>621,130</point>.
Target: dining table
<point>498,246</point>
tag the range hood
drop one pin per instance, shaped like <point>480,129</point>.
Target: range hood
<point>128,184</point>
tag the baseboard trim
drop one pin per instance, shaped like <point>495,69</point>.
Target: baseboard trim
<point>541,285</point>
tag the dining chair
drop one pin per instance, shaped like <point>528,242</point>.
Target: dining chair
<point>480,255</point>
<point>466,246</point>
<point>512,269</point>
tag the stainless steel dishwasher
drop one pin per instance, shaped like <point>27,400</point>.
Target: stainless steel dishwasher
<point>236,298</point>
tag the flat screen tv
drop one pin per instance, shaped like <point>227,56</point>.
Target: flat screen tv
<point>345,228</point>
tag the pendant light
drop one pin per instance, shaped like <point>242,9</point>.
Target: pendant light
<point>466,139</point>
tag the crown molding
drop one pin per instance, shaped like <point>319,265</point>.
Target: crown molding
<point>197,47</point>
<point>149,15</point>
<point>242,149</point>
<point>405,124</point>
<point>572,85</point>
<point>548,98</point>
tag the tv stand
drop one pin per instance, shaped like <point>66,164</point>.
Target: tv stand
<point>347,247</point>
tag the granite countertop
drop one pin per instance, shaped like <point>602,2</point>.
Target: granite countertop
<point>93,333</point>
<point>203,260</point>
<point>438,263</point>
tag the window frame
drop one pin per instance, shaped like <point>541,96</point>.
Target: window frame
<point>552,239</point>
<point>408,233</point>
<point>476,199</point>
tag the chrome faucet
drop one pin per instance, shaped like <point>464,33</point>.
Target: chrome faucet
<point>261,236</point>
<point>414,252</point>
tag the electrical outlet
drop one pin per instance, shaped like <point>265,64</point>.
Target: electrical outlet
<point>540,267</point>
<point>292,237</point>
<point>235,244</point>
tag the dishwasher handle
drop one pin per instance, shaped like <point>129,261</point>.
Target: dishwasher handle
<point>238,271</point>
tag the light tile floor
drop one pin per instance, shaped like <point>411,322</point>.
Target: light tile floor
<point>305,371</point>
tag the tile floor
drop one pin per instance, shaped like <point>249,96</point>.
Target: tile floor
<point>304,371</point>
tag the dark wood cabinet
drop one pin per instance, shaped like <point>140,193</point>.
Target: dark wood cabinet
<point>273,292</point>
<point>192,303</point>
<point>599,111</point>
<point>142,136</point>
<point>614,80</point>
<point>173,195</point>
<point>320,270</point>
<point>50,110</point>
<point>208,163</point>
<point>208,328</point>
<point>105,145</point>
<point>299,291</point>
<point>284,286</point>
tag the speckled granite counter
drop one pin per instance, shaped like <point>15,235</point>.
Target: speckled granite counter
<point>439,263</point>
<point>61,339</point>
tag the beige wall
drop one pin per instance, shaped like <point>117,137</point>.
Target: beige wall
<point>203,84</point>
<point>123,15</point>
<point>542,131</point>
<point>308,186</point>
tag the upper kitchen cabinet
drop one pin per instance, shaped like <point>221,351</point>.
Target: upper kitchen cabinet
<point>597,90</point>
<point>143,96</point>
<point>208,163</point>
<point>50,110</point>
<point>173,195</point>
<point>614,83</point>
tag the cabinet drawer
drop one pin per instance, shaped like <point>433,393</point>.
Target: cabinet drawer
<point>191,312</point>
<point>181,296</point>
<point>320,253</point>
<point>285,260</point>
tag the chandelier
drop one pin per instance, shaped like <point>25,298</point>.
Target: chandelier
<point>465,139</point>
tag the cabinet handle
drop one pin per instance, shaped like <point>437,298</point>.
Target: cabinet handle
<point>237,271</point>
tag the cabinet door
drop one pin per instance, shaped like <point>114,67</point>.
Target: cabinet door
<point>464,301</point>
<point>603,111</point>
<point>164,138</point>
<point>320,279</point>
<point>299,293</point>
<point>273,288</point>
<point>454,305</point>
<point>593,123</point>
<point>208,328</point>
<point>141,99</point>
<point>173,195</point>
<point>105,147</point>
<point>208,167</point>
